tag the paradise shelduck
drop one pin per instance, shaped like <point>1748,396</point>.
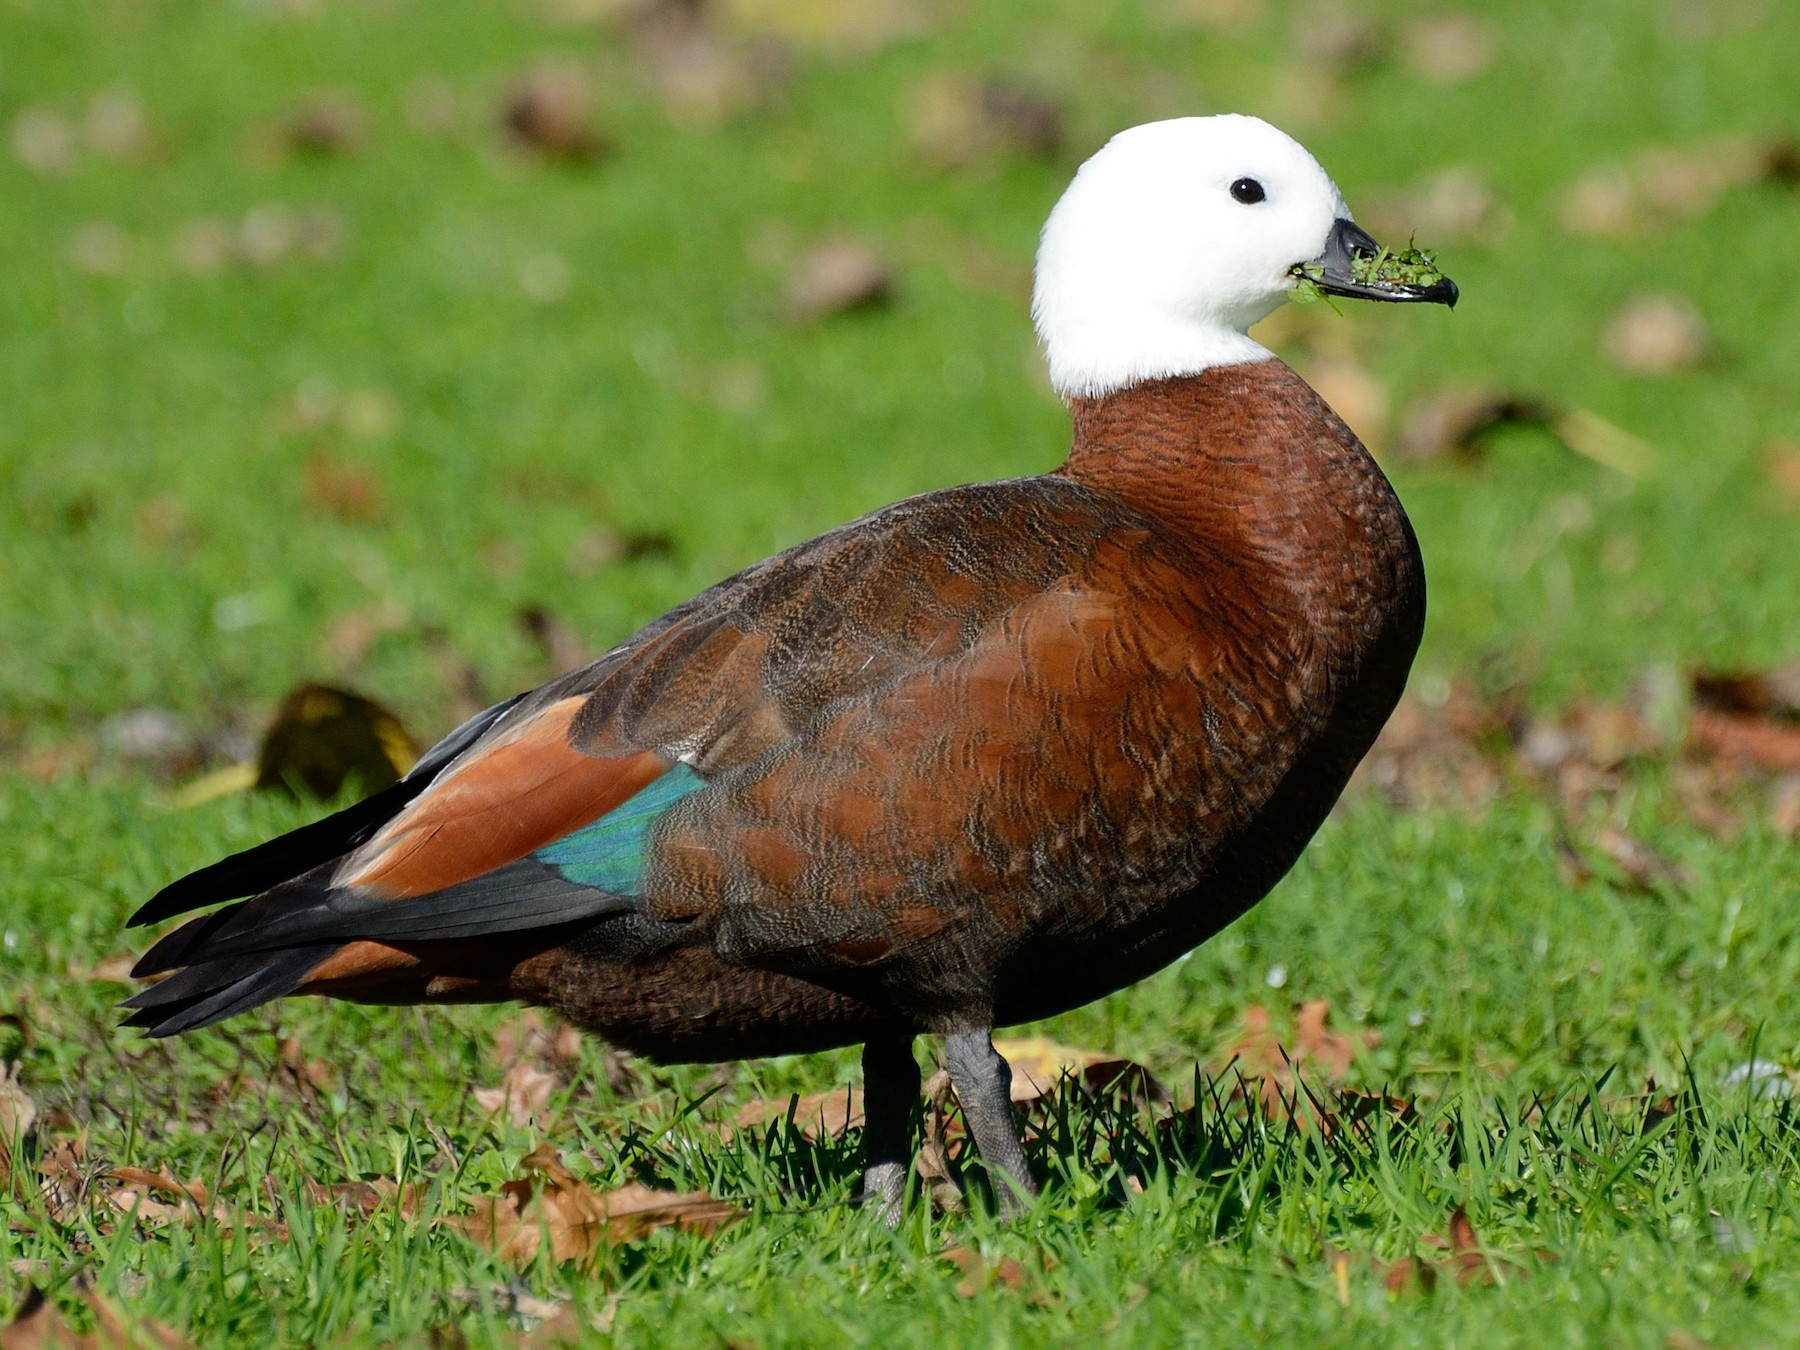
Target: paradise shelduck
<point>977,758</point>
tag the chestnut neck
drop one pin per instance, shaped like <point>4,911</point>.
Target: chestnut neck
<point>1248,463</point>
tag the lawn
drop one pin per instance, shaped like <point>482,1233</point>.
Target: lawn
<point>311,370</point>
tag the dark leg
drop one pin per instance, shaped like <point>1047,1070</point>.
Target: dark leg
<point>890,1091</point>
<point>983,1084</point>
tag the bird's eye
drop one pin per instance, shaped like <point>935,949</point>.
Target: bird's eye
<point>1248,191</point>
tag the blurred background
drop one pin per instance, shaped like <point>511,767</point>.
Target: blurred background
<point>365,361</point>
<point>426,349</point>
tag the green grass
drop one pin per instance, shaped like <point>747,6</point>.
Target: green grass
<point>152,465</point>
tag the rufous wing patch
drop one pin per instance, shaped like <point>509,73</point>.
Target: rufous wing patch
<point>527,789</point>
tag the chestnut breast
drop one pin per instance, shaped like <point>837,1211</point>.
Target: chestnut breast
<point>1030,741</point>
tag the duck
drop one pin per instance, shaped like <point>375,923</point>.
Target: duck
<point>978,758</point>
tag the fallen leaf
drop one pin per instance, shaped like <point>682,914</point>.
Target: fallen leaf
<point>1280,1078</point>
<point>979,1273</point>
<point>322,737</point>
<point>116,125</point>
<point>328,123</point>
<point>529,1037</point>
<point>1656,335</point>
<point>562,647</point>
<point>1773,693</point>
<point>523,1093</point>
<point>99,248</point>
<point>350,492</point>
<point>1738,738</point>
<point>135,1181</point>
<point>550,1201</point>
<point>312,1074</point>
<point>1452,206</point>
<point>37,1326</point>
<point>820,1115</point>
<point>113,970</point>
<point>1332,37</point>
<point>272,232</point>
<point>1450,420</point>
<point>1441,750</point>
<point>702,74</point>
<point>1781,461</point>
<point>937,1161</point>
<point>549,111</point>
<point>837,276</point>
<point>1449,49</point>
<point>566,1327</point>
<point>959,120</point>
<point>857,30</point>
<point>1644,869</point>
<point>44,140</point>
<point>1665,183</point>
<point>18,1117</point>
<point>1039,1065</point>
<point>1784,805</point>
<point>368,1197</point>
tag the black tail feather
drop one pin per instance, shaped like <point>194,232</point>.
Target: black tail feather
<point>269,864</point>
<point>211,992</point>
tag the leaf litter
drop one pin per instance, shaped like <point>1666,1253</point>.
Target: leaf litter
<point>550,1204</point>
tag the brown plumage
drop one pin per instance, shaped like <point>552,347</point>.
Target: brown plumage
<point>980,757</point>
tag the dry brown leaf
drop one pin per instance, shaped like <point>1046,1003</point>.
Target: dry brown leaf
<point>306,1073</point>
<point>840,29</point>
<point>1746,740</point>
<point>550,1201</point>
<point>563,648</point>
<point>38,1326</point>
<point>113,970</point>
<point>1448,49</point>
<point>116,125</point>
<point>937,1159</point>
<point>157,1197</point>
<point>523,1094</point>
<point>1319,1059</point>
<point>1666,183</point>
<point>44,140</point>
<point>1469,1261</point>
<point>530,1037</point>
<point>820,1115</point>
<point>368,1197</point>
<point>1449,421</point>
<point>18,1117</point>
<point>322,737</point>
<point>979,1273</point>
<point>1658,334</point>
<point>1784,805</point>
<point>1451,206</point>
<point>351,492</point>
<point>1782,462</point>
<point>1437,751</point>
<point>1039,1064</point>
<point>836,276</point>
<point>549,111</point>
<point>702,74</point>
<point>328,123</point>
<point>1643,867</point>
<point>1772,693</point>
<point>960,120</point>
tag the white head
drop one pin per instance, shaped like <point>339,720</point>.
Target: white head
<point>1151,265</point>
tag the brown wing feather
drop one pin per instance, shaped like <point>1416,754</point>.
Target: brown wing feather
<point>518,792</point>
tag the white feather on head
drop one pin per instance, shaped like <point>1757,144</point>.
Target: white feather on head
<point>1149,266</point>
